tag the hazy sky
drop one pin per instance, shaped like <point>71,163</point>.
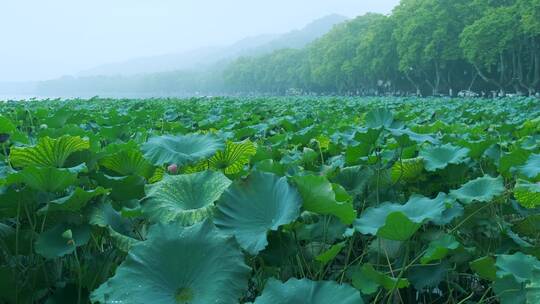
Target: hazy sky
<point>42,39</point>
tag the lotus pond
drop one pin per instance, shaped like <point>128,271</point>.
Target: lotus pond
<point>270,201</point>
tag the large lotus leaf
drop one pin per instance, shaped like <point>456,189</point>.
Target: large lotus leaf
<point>406,137</point>
<point>305,291</point>
<point>407,170</point>
<point>6,126</point>
<point>180,150</point>
<point>429,276</point>
<point>319,196</point>
<point>531,168</point>
<point>509,291</point>
<point>482,189</point>
<point>13,200</point>
<point>187,198</point>
<point>518,265</point>
<point>439,157</point>
<point>249,209</point>
<point>485,268</point>
<point>380,118</point>
<point>123,188</point>
<point>398,222</point>
<point>73,202</point>
<point>509,161</point>
<point>61,240</point>
<point>231,160</point>
<point>120,229</point>
<point>179,265</point>
<point>48,152</point>
<point>368,279</point>
<point>533,288</point>
<point>476,147</point>
<point>354,179</point>
<point>527,194</point>
<point>128,162</point>
<point>46,179</point>
<point>439,248</point>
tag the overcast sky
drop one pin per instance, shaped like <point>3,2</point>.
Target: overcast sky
<point>43,39</point>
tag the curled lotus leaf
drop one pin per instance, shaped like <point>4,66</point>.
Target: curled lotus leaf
<point>179,265</point>
<point>180,150</point>
<point>308,292</point>
<point>187,198</point>
<point>249,209</point>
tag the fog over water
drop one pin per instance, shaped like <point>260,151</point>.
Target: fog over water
<point>43,40</point>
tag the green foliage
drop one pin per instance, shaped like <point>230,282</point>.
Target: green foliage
<point>308,292</point>
<point>178,265</point>
<point>187,199</point>
<point>342,199</point>
<point>249,209</point>
<point>180,150</point>
<point>48,152</point>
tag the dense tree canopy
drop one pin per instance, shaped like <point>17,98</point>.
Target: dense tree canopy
<point>424,46</point>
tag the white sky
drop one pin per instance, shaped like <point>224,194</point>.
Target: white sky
<point>42,39</point>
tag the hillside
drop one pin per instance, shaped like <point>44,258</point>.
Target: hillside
<point>205,57</point>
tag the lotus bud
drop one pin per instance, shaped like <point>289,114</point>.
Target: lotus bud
<point>172,169</point>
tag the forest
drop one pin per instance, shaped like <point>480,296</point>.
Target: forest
<point>427,47</point>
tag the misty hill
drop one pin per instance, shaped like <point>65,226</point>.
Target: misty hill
<point>205,57</point>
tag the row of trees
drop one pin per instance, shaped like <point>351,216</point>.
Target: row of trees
<point>425,47</point>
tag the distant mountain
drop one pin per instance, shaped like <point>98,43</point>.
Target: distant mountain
<point>205,57</point>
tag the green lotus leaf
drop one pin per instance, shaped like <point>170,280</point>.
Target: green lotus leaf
<point>398,222</point>
<point>231,160</point>
<point>178,265</point>
<point>423,277</point>
<point>46,179</point>
<point>180,150</point>
<point>56,242</point>
<point>318,196</point>
<point>330,254</point>
<point>406,137</point>
<point>518,265</point>
<point>120,229</point>
<point>6,126</point>
<point>485,268</point>
<point>439,157</point>
<point>187,198</point>
<point>508,162</point>
<point>483,189</point>
<point>527,194</point>
<point>12,200</point>
<point>379,118</point>
<point>123,188</point>
<point>528,226</point>
<point>509,291</point>
<point>48,152</point>
<point>439,248</point>
<point>271,166</point>
<point>476,147</point>
<point>251,208</point>
<point>307,292</point>
<point>407,170</point>
<point>398,227</point>
<point>354,179</point>
<point>531,168</point>
<point>128,162</point>
<point>533,288</point>
<point>73,202</point>
<point>368,280</point>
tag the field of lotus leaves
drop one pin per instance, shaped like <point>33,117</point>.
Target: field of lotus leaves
<point>270,201</point>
